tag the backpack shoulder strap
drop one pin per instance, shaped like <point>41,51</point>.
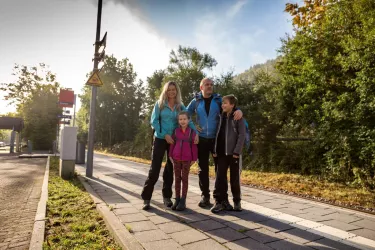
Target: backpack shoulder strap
<point>196,104</point>
<point>197,100</point>
<point>190,135</point>
<point>174,135</point>
<point>218,102</point>
<point>159,117</point>
<point>191,141</point>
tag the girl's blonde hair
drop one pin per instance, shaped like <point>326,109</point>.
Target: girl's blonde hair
<point>164,97</point>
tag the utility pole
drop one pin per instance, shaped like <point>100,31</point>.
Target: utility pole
<point>90,151</point>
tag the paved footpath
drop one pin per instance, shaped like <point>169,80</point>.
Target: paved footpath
<point>269,220</point>
<point>20,189</point>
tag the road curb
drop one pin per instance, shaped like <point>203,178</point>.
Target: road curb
<point>37,236</point>
<point>122,236</point>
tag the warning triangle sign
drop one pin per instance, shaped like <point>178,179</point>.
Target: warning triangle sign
<point>94,80</point>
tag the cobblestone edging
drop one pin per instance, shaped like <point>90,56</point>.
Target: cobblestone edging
<point>37,237</point>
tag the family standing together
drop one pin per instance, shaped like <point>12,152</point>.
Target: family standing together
<point>219,130</point>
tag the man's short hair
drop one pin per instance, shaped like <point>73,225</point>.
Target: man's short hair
<point>232,99</point>
<point>205,79</point>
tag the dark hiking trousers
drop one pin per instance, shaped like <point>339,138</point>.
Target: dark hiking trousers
<point>221,183</point>
<point>158,151</point>
<point>205,148</point>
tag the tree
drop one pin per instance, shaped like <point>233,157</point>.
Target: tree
<point>328,86</point>
<point>2,134</point>
<point>40,112</point>
<point>30,79</point>
<point>36,95</point>
<point>119,104</point>
<point>154,84</point>
<point>309,14</point>
<point>186,66</point>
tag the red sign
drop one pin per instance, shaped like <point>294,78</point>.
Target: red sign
<point>66,98</point>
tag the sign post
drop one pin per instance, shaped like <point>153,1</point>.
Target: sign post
<point>94,81</point>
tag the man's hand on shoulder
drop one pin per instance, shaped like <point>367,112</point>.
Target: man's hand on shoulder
<point>198,128</point>
<point>238,115</point>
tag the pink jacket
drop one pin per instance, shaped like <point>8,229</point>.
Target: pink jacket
<point>183,148</point>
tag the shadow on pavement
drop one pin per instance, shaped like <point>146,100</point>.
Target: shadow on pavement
<point>246,224</point>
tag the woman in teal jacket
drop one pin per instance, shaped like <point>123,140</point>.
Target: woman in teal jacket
<point>164,121</point>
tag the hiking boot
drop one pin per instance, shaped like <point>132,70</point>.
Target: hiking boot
<point>146,205</point>
<point>227,206</point>
<point>205,202</point>
<point>167,202</point>
<point>182,205</point>
<point>237,206</point>
<point>175,204</point>
<point>217,208</point>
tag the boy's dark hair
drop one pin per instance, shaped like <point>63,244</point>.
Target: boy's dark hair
<point>232,99</point>
<point>184,113</point>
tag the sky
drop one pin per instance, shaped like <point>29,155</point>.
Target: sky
<point>61,33</point>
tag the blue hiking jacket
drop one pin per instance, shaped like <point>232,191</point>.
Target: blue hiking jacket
<point>207,123</point>
<point>168,120</point>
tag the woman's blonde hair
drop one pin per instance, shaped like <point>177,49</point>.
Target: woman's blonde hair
<point>164,97</point>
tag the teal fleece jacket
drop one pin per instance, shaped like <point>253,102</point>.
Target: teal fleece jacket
<point>168,120</point>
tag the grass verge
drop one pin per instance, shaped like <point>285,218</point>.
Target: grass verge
<point>72,219</point>
<point>299,185</point>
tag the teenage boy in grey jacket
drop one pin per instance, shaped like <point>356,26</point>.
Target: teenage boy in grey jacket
<point>229,141</point>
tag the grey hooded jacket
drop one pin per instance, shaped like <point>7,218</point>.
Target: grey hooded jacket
<point>235,132</point>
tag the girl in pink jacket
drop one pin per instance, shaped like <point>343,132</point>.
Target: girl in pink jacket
<point>183,153</point>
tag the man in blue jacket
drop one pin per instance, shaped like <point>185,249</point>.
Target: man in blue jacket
<point>207,107</point>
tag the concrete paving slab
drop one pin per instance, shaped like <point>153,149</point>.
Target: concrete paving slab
<point>207,225</point>
<point>141,226</point>
<point>127,218</point>
<point>164,218</point>
<point>241,225</point>
<point>364,232</point>
<point>292,211</point>
<point>189,218</point>
<point>366,223</point>
<point>152,235</point>
<point>205,244</point>
<point>332,233</point>
<point>314,217</point>
<point>319,210</point>
<point>341,225</point>
<point>247,243</point>
<point>223,217</point>
<point>126,210</point>
<point>188,236</point>
<point>343,217</point>
<point>327,244</point>
<point>253,217</point>
<point>264,236</point>
<point>152,212</point>
<point>275,225</point>
<point>287,245</point>
<point>173,227</point>
<point>163,244</point>
<point>300,236</point>
<point>299,206</point>
<point>224,235</point>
